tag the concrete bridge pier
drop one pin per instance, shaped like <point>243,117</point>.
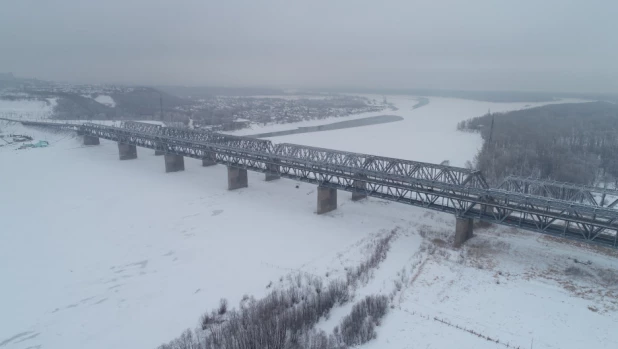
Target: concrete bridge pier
<point>360,185</point>
<point>174,163</point>
<point>463,230</point>
<point>272,172</point>
<point>236,178</point>
<point>327,199</point>
<point>210,159</point>
<point>127,151</point>
<point>91,140</point>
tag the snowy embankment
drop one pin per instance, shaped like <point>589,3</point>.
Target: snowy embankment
<point>102,253</point>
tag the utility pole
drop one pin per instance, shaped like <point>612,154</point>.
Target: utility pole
<point>161,103</point>
<point>491,130</point>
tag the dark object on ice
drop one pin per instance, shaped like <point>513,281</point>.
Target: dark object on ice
<point>20,138</point>
<point>296,186</point>
<point>39,144</point>
<point>575,260</point>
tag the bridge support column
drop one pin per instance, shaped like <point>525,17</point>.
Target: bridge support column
<point>359,185</point>
<point>463,230</point>
<point>174,163</point>
<point>91,140</point>
<point>127,151</point>
<point>236,178</point>
<point>327,199</point>
<point>209,160</point>
<point>272,172</point>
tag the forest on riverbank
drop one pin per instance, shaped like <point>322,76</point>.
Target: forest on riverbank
<point>573,142</point>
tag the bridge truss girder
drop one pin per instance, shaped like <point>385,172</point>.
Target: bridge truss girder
<point>387,166</point>
<point>201,136</point>
<point>544,215</point>
<point>590,195</point>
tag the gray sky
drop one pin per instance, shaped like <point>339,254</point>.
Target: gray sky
<point>451,44</point>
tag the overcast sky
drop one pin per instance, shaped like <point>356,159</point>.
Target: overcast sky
<point>543,45</point>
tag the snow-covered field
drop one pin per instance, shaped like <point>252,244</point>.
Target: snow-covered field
<point>101,253</point>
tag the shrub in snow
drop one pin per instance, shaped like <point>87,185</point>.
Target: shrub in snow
<point>222,306</point>
<point>361,272</point>
<point>359,326</point>
<point>285,318</point>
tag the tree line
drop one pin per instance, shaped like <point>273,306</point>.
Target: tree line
<point>575,142</point>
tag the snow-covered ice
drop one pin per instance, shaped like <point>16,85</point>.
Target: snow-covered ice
<point>426,134</point>
<point>101,253</point>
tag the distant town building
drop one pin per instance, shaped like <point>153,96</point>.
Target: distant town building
<point>235,125</point>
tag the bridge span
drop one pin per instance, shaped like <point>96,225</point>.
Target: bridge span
<point>459,191</point>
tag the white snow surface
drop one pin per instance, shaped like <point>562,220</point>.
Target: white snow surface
<point>101,253</point>
<point>27,109</point>
<point>106,100</point>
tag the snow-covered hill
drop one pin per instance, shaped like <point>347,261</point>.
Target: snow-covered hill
<point>101,253</point>
<point>27,109</point>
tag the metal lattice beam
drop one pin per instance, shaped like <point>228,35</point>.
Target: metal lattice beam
<point>590,195</point>
<point>141,126</point>
<point>201,136</point>
<point>380,164</point>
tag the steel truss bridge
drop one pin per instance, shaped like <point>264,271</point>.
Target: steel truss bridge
<point>552,208</point>
<point>595,196</point>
